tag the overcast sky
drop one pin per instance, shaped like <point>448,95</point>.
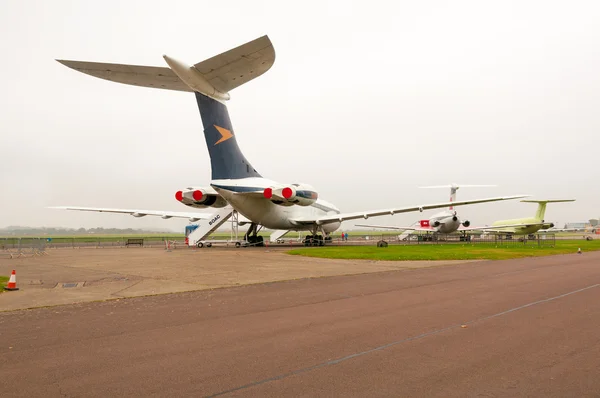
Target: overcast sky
<point>366,102</point>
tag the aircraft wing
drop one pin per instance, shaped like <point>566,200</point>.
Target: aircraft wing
<point>560,230</point>
<point>390,212</point>
<point>396,228</point>
<point>141,213</point>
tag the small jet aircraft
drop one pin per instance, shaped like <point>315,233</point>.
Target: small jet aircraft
<point>444,222</point>
<point>235,184</point>
<point>528,225</point>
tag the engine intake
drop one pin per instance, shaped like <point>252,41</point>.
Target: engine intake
<point>466,223</point>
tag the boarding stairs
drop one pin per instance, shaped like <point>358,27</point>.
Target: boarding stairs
<point>276,236</point>
<point>207,227</point>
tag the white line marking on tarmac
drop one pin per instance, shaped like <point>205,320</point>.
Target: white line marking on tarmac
<point>383,347</point>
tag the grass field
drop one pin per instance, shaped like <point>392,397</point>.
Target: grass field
<point>3,282</point>
<point>479,251</point>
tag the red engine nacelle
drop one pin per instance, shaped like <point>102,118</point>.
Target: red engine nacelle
<point>294,194</point>
<point>200,198</point>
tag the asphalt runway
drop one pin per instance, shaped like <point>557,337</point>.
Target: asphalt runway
<point>526,327</point>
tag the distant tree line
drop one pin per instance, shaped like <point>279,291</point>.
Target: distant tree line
<point>32,231</point>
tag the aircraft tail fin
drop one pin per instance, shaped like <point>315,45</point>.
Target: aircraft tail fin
<point>454,188</point>
<point>211,81</point>
<point>541,210</point>
<point>226,158</point>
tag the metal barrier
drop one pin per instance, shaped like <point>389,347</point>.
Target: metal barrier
<point>496,239</point>
<point>14,246</point>
<point>25,246</point>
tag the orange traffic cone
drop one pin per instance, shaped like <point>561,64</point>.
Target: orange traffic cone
<point>12,283</point>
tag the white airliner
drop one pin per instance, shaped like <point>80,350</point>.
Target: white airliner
<point>235,183</point>
<point>444,222</point>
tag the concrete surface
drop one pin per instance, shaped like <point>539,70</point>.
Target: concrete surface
<point>514,328</point>
<point>109,273</point>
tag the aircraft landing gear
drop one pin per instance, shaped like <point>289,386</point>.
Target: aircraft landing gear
<point>252,236</point>
<point>315,240</point>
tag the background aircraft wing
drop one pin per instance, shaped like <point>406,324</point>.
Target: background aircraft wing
<point>141,213</point>
<point>395,227</point>
<point>559,230</point>
<point>500,228</point>
<point>390,212</point>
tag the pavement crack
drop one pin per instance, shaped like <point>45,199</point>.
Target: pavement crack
<point>116,294</point>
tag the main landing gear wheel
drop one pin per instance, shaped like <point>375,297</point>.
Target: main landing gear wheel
<point>257,241</point>
<point>252,236</point>
<point>314,240</point>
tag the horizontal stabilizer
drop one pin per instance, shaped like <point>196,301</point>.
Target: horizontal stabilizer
<point>238,66</point>
<point>136,75</point>
<point>224,72</point>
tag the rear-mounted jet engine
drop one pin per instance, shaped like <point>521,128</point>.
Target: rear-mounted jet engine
<point>293,194</point>
<point>200,198</point>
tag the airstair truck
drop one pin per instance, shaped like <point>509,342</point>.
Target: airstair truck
<point>196,234</point>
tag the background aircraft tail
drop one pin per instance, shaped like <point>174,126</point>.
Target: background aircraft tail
<point>454,188</point>
<point>541,210</point>
<point>226,159</point>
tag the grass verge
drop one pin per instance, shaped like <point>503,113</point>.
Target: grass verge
<point>479,251</point>
<point>3,282</point>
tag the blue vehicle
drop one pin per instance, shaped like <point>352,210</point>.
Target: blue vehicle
<point>188,230</point>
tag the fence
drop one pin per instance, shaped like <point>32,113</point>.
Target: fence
<point>18,245</point>
<point>37,247</point>
<point>496,239</point>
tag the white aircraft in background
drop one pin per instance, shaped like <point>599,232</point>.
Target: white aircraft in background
<point>517,226</point>
<point>444,222</point>
<point>235,184</point>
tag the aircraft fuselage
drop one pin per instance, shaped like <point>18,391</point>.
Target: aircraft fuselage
<point>268,214</point>
<point>521,230</point>
<point>448,222</point>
